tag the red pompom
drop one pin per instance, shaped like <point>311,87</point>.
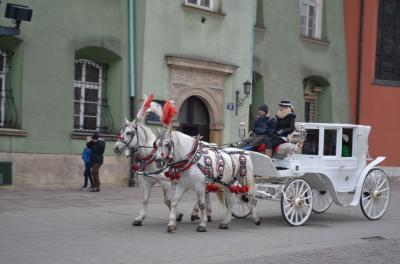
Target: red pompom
<point>211,187</point>
<point>147,104</point>
<point>244,189</point>
<point>169,112</point>
<point>233,189</point>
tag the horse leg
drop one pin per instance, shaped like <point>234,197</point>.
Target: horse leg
<point>195,212</point>
<point>228,215</point>
<point>166,186</point>
<point>201,200</point>
<point>208,207</point>
<point>256,219</point>
<point>179,191</point>
<point>146,196</point>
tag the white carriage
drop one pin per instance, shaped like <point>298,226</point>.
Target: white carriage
<point>332,160</point>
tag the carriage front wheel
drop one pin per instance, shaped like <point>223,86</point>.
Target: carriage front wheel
<point>375,194</point>
<point>296,202</point>
<point>322,200</point>
<point>240,206</point>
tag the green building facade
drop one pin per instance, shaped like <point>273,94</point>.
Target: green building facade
<point>81,66</point>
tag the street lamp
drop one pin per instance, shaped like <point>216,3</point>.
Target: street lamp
<point>17,13</point>
<point>246,91</point>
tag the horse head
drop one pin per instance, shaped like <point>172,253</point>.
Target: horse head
<point>128,138</point>
<point>165,147</point>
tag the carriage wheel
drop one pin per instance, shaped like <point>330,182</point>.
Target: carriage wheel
<point>375,194</point>
<point>296,202</point>
<point>240,206</point>
<point>322,200</point>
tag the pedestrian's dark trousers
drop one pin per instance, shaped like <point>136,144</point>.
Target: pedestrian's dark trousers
<point>95,174</point>
<point>88,176</point>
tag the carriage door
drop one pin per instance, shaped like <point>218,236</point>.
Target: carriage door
<point>348,161</point>
<point>194,118</point>
<point>330,163</point>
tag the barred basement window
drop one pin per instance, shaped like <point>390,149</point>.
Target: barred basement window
<point>88,98</point>
<point>3,73</point>
<point>387,68</point>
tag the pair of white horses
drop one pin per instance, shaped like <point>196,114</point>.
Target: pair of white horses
<point>228,166</point>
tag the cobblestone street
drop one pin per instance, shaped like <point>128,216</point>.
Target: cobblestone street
<point>69,226</point>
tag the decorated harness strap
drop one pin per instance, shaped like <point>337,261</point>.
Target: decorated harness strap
<point>140,165</point>
<point>174,172</point>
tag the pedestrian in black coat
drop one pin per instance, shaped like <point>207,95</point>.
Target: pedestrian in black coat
<point>97,147</point>
<point>285,124</point>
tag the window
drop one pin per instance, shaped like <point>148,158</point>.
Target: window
<point>347,142</point>
<point>204,4</point>
<point>387,66</point>
<point>311,18</point>
<point>330,142</point>
<point>311,91</point>
<point>310,146</point>
<point>88,85</point>
<point>3,95</point>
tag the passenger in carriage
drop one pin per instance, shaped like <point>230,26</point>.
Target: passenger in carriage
<point>260,129</point>
<point>285,124</point>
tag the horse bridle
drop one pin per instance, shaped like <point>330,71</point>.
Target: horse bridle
<point>135,134</point>
<point>171,145</point>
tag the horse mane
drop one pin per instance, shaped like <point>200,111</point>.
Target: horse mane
<point>147,131</point>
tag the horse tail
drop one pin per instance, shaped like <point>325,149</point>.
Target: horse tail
<point>221,197</point>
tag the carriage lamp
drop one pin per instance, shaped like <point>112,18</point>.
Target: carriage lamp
<point>17,13</point>
<point>246,91</point>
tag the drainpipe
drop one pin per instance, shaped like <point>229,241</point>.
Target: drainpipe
<point>359,66</point>
<point>131,29</point>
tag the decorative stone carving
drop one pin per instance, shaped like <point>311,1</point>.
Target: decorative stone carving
<point>204,79</point>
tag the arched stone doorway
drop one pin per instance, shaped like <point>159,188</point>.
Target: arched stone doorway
<point>194,118</point>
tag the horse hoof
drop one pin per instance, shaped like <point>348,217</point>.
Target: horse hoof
<point>137,223</point>
<point>201,229</point>
<point>179,217</point>
<point>194,217</point>
<point>258,222</point>
<point>209,219</point>
<point>223,226</point>
<point>171,229</point>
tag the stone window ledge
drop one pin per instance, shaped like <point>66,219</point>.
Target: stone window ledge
<point>315,41</point>
<point>203,11</point>
<point>83,134</point>
<point>386,83</point>
<point>13,132</point>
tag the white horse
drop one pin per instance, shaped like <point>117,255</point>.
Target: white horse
<point>195,164</point>
<point>139,137</point>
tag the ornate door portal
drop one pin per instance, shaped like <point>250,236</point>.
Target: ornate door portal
<point>194,118</point>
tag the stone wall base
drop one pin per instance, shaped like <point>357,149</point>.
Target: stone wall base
<point>392,172</point>
<point>55,171</point>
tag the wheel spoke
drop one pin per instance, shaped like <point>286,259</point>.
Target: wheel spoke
<point>367,197</point>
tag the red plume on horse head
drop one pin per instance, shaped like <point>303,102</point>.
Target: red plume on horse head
<point>146,105</point>
<point>169,112</point>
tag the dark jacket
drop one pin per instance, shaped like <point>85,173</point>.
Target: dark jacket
<point>263,125</point>
<point>285,126</point>
<point>97,150</point>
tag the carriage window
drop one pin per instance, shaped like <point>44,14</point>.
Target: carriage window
<point>310,146</point>
<point>347,142</point>
<point>330,142</point>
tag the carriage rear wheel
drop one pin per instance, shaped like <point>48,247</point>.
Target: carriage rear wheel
<point>240,206</point>
<point>322,200</point>
<point>296,202</point>
<point>375,194</point>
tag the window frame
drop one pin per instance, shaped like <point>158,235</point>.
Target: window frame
<point>317,27</point>
<point>198,5</point>
<point>388,33</point>
<point>86,85</point>
<point>3,94</point>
